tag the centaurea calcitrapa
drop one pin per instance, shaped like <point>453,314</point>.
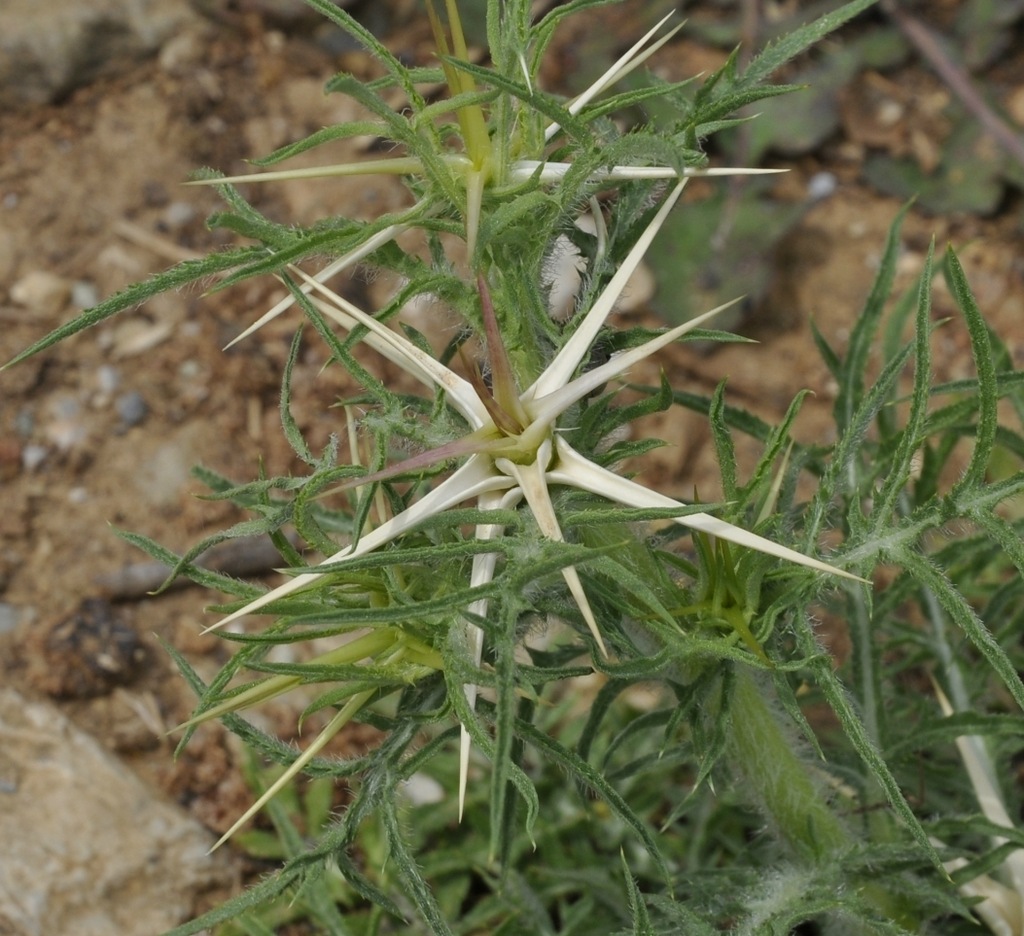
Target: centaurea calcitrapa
<point>517,452</point>
<point>514,509</point>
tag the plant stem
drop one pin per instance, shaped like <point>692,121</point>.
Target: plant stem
<point>787,794</point>
<point>764,754</point>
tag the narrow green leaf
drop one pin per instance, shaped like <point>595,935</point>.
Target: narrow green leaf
<point>356,29</point>
<point>988,394</point>
<point>842,474</point>
<point>345,131</point>
<point>545,104</point>
<point>851,378</point>
<point>291,428</point>
<point>835,694</point>
<point>900,465</point>
<point>965,617</point>
<point>724,448</point>
<point>256,895</point>
<point>777,442</point>
<point>1008,539</point>
<point>776,55</point>
<point>177,565</point>
<point>417,889</point>
<point>592,778</point>
<point>184,274</point>
<point>828,354</point>
<point>637,908</point>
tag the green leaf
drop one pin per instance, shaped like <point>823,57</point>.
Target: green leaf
<point>772,58</point>
<point>586,774</point>
<point>256,895</point>
<point>988,394</point>
<point>178,565</point>
<point>184,274</point>
<point>543,103</point>
<point>835,694</point>
<point>965,617</point>
<point>862,337</point>
<point>417,889</point>
<point>354,28</point>
<point>641,918</point>
<point>900,465</point>
<point>723,443</point>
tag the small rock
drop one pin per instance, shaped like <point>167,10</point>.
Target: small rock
<point>177,215</point>
<point>132,408</point>
<point>821,185</point>
<point>88,848</point>
<point>43,292</point>
<point>288,14</point>
<point>84,654</point>
<point>422,790</point>
<point>136,336</point>
<point>32,456</point>
<point>65,427</point>
<point>180,53</point>
<point>8,617</point>
<point>126,721</point>
<point>161,477</point>
<point>154,193</point>
<point>108,379</point>
<point>24,422</point>
<point>43,58</point>
<point>84,294</point>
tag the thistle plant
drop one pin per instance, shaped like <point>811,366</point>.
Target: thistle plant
<point>466,587</point>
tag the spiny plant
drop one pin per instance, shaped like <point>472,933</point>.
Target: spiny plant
<point>462,628</point>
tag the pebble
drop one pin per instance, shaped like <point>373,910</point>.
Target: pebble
<point>24,422</point>
<point>65,427</point>
<point>84,294</point>
<point>821,185</point>
<point>132,408</point>
<point>178,214</point>
<point>108,379</point>
<point>32,456</point>
<point>180,53</point>
<point>44,292</point>
<point>8,617</point>
<point>154,194</point>
<point>85,653</point>
<point>422,790</point>
<point>88,848</point>
<point>45,57</point>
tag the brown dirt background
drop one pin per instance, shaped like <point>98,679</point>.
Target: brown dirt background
<point>90,194</point>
